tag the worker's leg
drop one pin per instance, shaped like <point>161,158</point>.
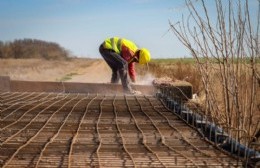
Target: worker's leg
<point>123,72</point>
<point>106,54</point>
<point>117,63</point>
<point>115,76</point>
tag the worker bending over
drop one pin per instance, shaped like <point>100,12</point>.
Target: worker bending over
<point>121,55</point>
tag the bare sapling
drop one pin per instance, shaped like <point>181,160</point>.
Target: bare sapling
<point>226,46</point>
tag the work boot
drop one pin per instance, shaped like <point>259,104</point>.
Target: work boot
<point>133,92</point>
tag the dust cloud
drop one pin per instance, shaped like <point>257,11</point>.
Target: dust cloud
<point>145,80</point>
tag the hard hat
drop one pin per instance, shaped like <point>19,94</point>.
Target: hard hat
<point>144,56</point>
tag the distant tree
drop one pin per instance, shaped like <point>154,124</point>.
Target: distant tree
<point>32,48</point>
<point>1,49</point>
<point>16,48</point>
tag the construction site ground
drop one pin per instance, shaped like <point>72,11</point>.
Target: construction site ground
<point>96,130</point>
<point>58,129</point>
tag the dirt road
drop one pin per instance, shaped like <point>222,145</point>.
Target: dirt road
<point>75,70</point>
<point>97,72</point>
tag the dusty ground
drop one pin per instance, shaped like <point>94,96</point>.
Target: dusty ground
<point>97,72</point>
<point>75,70</point>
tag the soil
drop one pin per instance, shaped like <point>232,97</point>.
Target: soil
<point>76,70</point>
<point>97,72</point>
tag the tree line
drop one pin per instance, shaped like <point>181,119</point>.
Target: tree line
<point>32,48</point>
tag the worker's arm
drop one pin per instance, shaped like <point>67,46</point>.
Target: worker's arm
<point>131,71</point>
<point>128,54</point>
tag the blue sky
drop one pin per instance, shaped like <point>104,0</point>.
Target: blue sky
<point>81,25</point>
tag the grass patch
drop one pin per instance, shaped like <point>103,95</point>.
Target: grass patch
<point>67,77</point>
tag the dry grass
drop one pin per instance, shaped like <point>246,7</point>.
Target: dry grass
<point>177,69</point>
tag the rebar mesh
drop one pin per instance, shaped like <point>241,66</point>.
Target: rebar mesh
<point>93,130</point>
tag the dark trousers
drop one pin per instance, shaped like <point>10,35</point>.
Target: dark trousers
<point>118,66</point>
